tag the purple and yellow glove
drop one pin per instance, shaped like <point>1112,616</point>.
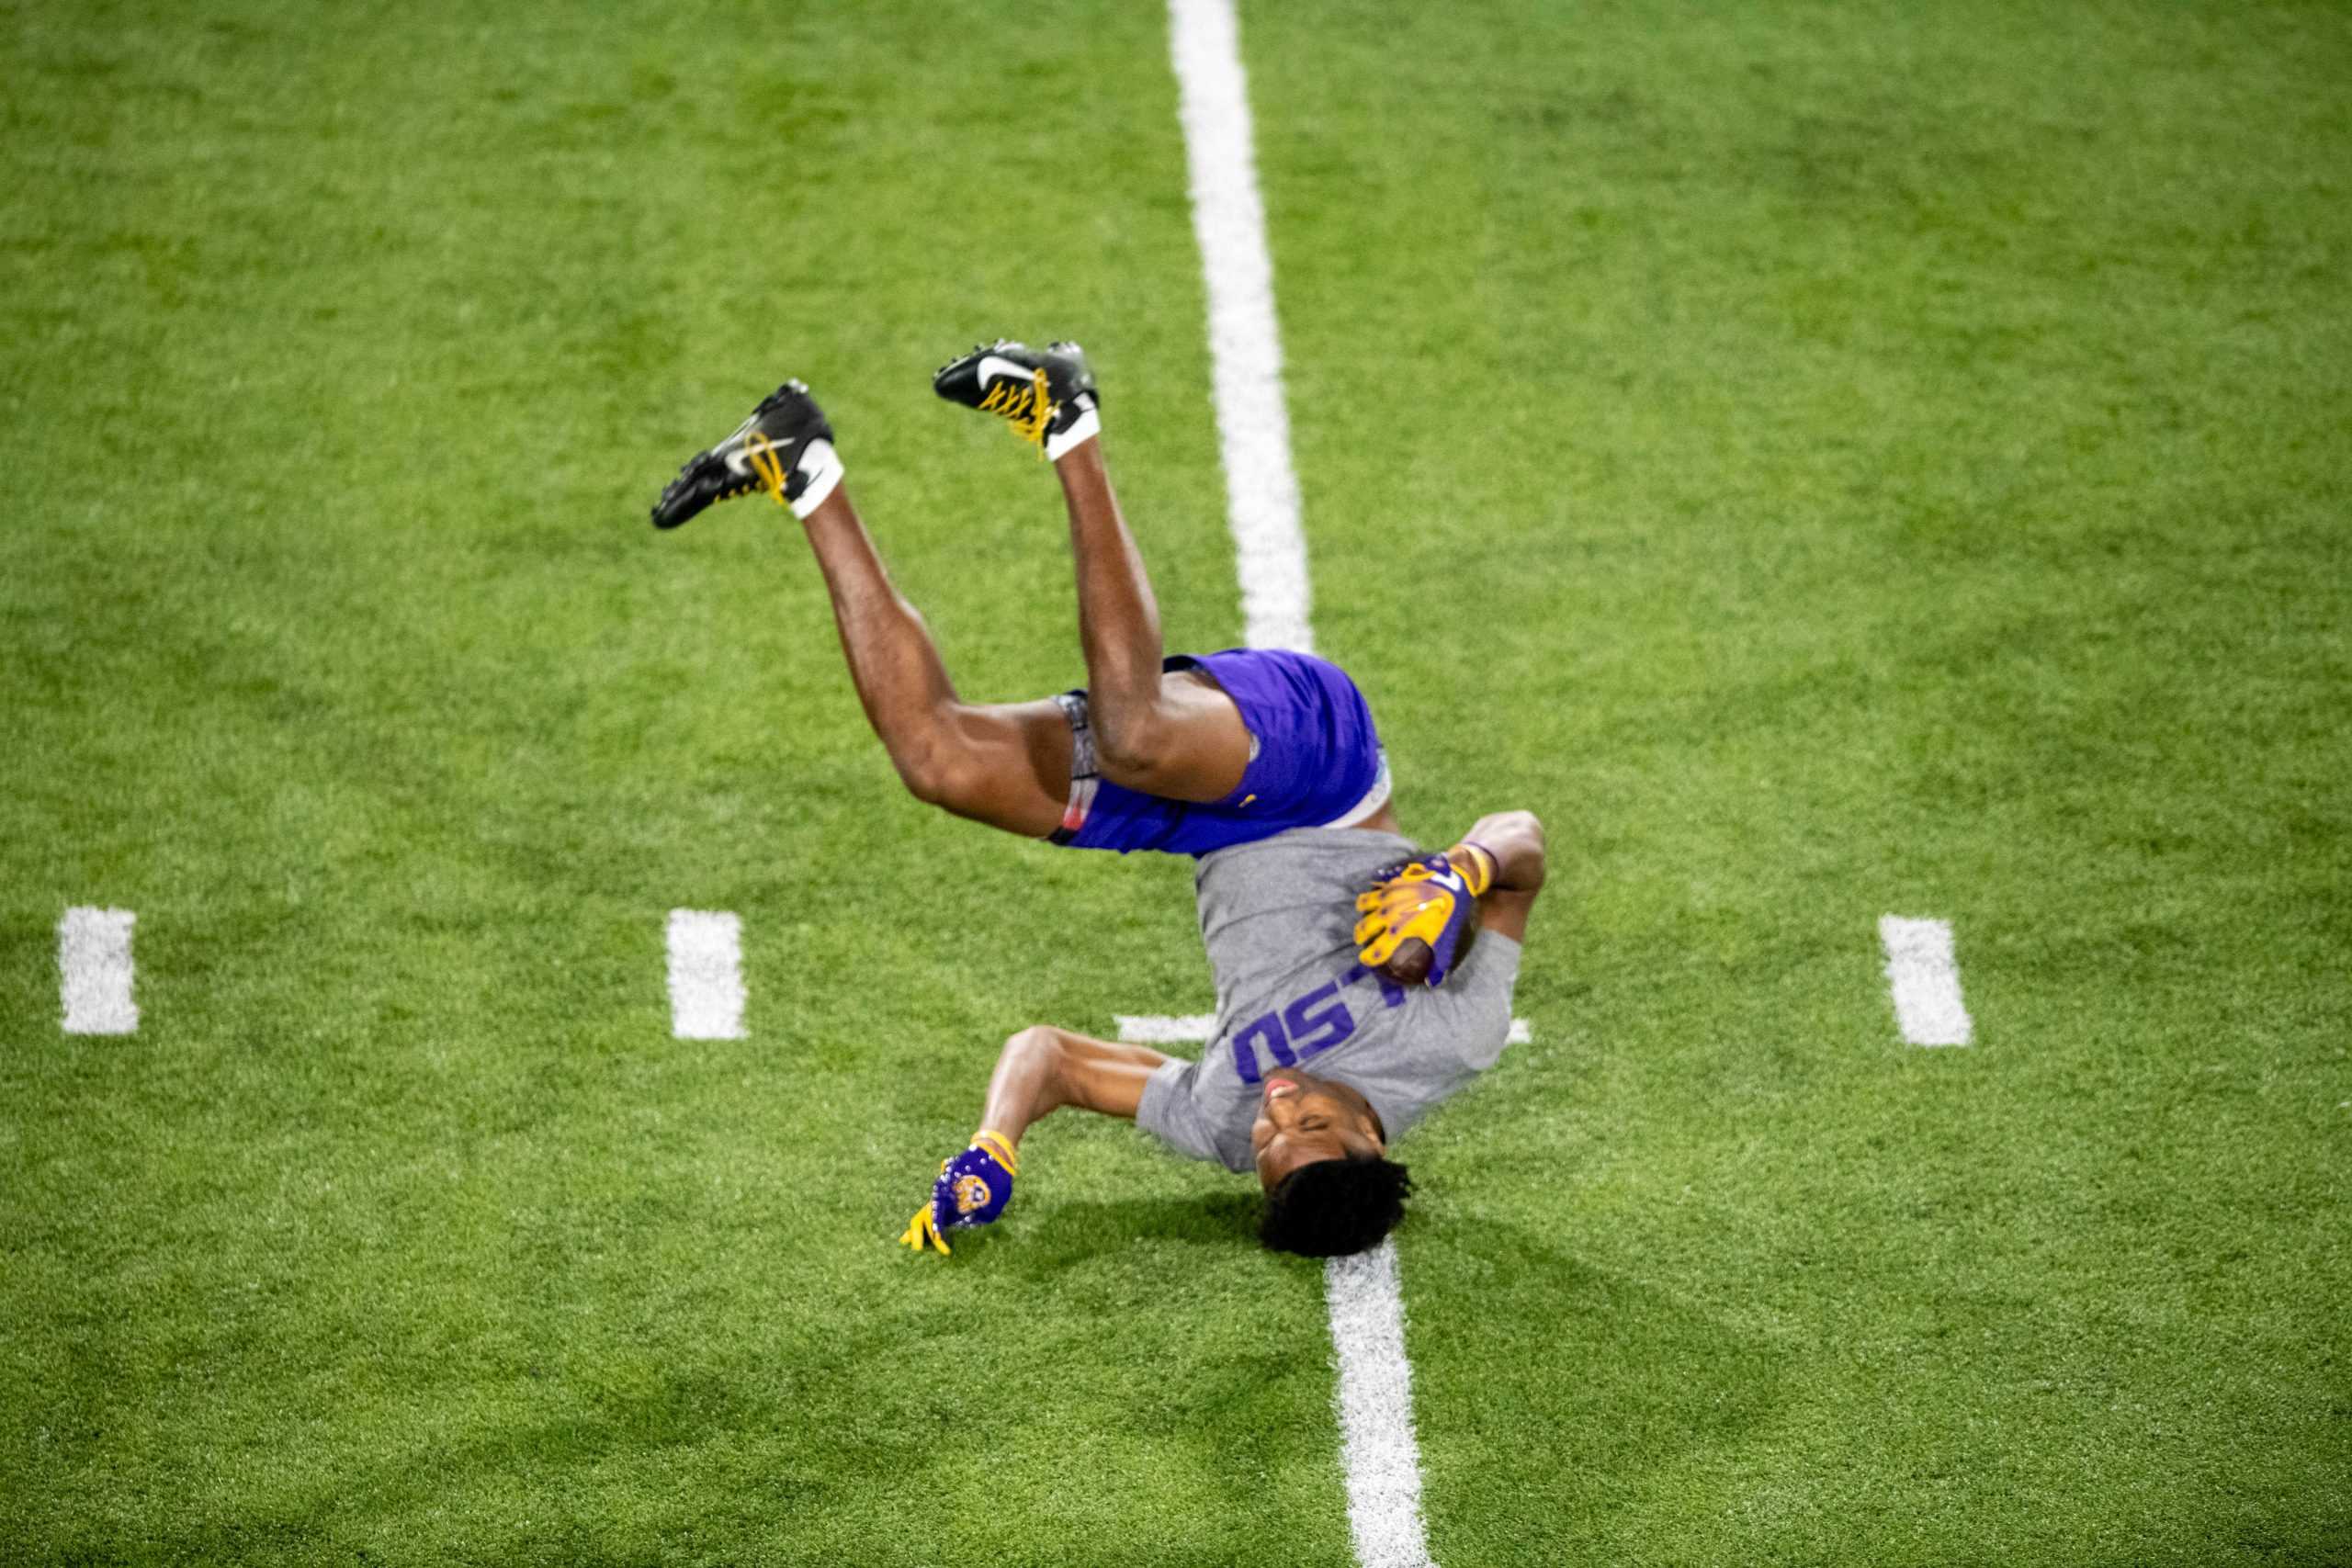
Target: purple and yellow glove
<point>972,1190</point>
<point>1431,901</point>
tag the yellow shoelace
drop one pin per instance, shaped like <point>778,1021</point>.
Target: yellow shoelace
<point>1028,409</point>
<point>767,465</point>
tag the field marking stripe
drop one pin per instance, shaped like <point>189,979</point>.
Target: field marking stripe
<point>1923,973</point>
<point>1244,344</point>
<point>1379,1456</point>
<point>1375,1399</point>
<point>1164,1029</point>
<point>1186,1028</point>
<point>94,971</point>
<point>706,975</point>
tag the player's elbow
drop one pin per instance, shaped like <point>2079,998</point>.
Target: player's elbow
<point>1035,1046</point>
<point>1526,864</point>
<point>1026,1082</point>
<point>1034,1056</point>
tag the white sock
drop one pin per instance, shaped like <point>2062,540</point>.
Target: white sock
<point>823,466</point>
<point>1083,429</point>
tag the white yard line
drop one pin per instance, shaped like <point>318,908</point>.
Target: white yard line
<point>1164,1029</point>
<point>1923,972</point>
<point>706,975</point>
<point>1186,1028</point>
<point>94,971</point>
<point>1375,1394</point>
<point>1244,347</point>
<point>1375,1399</point>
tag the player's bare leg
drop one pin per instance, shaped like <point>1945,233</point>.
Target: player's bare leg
<point>1174,735</point>
<point>1005,764</point>
<point>1177,736</point>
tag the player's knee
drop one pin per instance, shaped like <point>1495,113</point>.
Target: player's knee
<point>940,776</point>
<point>1129,744</point>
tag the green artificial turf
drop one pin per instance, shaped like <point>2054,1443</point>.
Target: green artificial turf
<point>1828,460</point>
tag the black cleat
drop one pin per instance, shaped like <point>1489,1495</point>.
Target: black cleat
<point>1049,397</point>
<point>764,453</point>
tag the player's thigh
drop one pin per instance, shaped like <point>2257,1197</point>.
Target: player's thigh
<point>1013,767</point>
<point>1197,747</point>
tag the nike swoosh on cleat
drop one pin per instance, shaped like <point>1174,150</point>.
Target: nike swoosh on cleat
<point>992,367</point>
<point>738,461</point>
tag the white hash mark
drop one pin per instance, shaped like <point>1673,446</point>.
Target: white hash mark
<point>706,975</point>
<point>1923,972</point>
<point>94,971</point>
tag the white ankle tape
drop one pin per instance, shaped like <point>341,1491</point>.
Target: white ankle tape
<point>824,469</point>
<point>1083,429</point>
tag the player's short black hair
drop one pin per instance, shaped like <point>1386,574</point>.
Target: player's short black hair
<point>1330,1207</point>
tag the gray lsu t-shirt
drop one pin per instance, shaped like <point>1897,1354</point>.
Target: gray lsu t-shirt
<point>1278,918</point>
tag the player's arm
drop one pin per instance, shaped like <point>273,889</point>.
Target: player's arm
<point>1042,1070</point>
<point>1039,1071</point>
<point>1513,846</point>
<point>1420,914</point>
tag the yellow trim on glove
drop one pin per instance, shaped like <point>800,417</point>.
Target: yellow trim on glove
<point>923,1229</point>
<point>998,1148</point>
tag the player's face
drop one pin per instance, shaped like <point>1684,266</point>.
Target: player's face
<point>1302,1118</point>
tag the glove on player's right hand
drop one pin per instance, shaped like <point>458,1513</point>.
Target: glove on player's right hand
<point>972,1190</point>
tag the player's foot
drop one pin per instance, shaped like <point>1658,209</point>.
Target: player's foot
<point>1048,397</point>
<point>785,448</point>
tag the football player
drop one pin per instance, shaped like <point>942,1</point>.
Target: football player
<point>1354,987</point>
